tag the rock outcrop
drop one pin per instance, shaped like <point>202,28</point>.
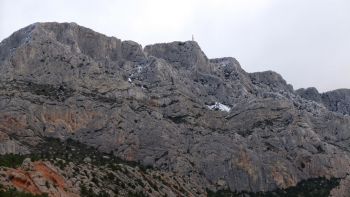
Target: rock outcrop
<point>38,178</point>
<point>336,100</point>
<point>152,106</point>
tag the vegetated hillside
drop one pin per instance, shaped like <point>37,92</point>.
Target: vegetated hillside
<point>200,126</point>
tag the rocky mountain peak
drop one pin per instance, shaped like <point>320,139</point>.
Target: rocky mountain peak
<point>336,100</point>
<point>310,93</point>
<point>186,55</point>
<point>65,36</point>
<point>272,80</point>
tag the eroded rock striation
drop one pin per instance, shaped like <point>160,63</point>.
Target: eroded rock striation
<point>150,105</point>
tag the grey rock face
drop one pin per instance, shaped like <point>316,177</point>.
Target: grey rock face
<point>336,100</point>
<point>270,80</point>
<point>66,81</point>
<point>343,190</point>
<point>310,94</point>
<point>187,55</point>
<point>8,145</point>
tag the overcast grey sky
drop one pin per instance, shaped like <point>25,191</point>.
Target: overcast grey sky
<point>306,41</point>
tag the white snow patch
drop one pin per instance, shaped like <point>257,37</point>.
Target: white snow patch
<point>139,68</point>
<point>219,106</point>
<point>27,38</point>
<point>129,80</point>
<point>223,64</point>
<point>135,72</point>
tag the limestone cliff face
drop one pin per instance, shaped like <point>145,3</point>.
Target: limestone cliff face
<point>155,106</point>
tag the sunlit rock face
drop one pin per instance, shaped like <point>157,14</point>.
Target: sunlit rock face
<point>170,107</point>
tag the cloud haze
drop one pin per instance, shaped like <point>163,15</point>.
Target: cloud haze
<point>308,42</point>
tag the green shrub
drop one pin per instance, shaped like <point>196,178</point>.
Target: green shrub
<point>11,160</point>
<point>319,187</point>
<point>14,193</point>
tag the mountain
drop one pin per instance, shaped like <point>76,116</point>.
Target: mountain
<point>337,100</point>
<point>163,120</point>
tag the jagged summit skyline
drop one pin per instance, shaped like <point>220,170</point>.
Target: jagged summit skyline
<point>294,38</point>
